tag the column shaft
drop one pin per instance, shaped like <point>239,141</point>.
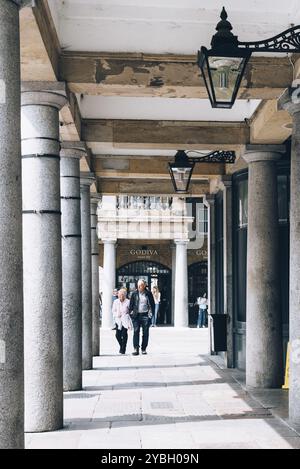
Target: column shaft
<point>11,298</point>
<point>173,250</point>
<point>109,274</point>
<point>264,326</point>
<point>294,382</point>
<point>42,261</point>
<point>181,313</point>
<point>87,323</point>
<point>71,268</point>
<point>228,263</point>
<point>210,202</point>
<point>95,278</point>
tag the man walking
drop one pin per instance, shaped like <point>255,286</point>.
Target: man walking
<point>141,309</point>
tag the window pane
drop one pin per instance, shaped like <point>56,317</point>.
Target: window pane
<point>283,198</point>
<point>243,203</point>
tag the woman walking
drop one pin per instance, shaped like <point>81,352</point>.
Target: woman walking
<point>157,296</point>
<point>122,319</point>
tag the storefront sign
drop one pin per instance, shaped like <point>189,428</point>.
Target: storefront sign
<point>202,252</point>
<point>144,252</point>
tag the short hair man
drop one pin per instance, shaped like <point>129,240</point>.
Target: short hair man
<point>141,309</point>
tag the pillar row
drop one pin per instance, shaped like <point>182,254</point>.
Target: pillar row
<point>42,260</point>
<point>87,319</point>
<point>11,287</point>
<point>109,276</point>
<point>264,368</point>
<point>95,277</point>
<point>71,265</point>
<point>181,312</point>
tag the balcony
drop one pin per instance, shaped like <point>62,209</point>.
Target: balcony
<point>141,217</point>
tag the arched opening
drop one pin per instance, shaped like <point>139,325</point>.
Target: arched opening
<point>197,281</point>
<point>153,273</point>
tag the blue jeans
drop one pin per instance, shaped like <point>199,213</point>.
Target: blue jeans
<point>201,317</point>
<point>154,317</point>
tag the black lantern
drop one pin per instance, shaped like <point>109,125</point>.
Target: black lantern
<point>181,172</point>
<point>223,66</point>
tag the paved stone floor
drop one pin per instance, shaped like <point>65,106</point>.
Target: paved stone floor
<point>174,397</point>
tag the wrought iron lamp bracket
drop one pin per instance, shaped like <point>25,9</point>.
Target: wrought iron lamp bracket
<point>287,41</point>
<point>214,157</point>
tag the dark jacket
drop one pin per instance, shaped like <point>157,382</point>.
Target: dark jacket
<point>134,303</point>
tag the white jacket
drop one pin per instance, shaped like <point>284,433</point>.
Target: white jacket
<point>121,316</point>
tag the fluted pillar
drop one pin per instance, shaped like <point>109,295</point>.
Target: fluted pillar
<point>95,277</point>
<point>87,318</point>
<point>11,297</point>
<point>42,258</point>
<point>109,276</point>
<point>264,367</point>
<point>181,312</point>
<point>71,153</point>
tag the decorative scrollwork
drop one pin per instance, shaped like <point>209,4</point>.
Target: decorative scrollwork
<point>287,41</point>
<point>216,157</point>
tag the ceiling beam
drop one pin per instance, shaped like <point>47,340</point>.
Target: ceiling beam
<point>165,75</point>
<point>270,125</point>
<point>147,187</point>
<point>155,168</point>
<point>40,53</point>
<point>166,134</point>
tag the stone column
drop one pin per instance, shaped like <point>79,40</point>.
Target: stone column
<point>289,103</point>
<point>86,272</point>
<point>71,153</point>
<point>264,326</point>
<point>226,186</point>
<point>173,250</point>
<point>11,298</point>
<point>210,203</point>
<point>42,258</point>
<point>109,280</point>
<point>181,312</point>
<point>95,277</point>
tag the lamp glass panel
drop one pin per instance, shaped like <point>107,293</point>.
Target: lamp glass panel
<point>182,177</point>
<point>226,75</point>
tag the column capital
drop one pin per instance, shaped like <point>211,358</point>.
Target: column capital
<point>209,199</point>
<point>95,198</point>
<point>181,242</point>
<point>73,150</point>
<point>290,101</point>
<point>87,179</point>
<point>255,153</point>
<point>109,241</point>
<point>225,182</point>
<point>46,94</point>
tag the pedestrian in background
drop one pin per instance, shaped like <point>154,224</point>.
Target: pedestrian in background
<point>122,319</point>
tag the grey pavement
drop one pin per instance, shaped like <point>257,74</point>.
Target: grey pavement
<point>174,397</point>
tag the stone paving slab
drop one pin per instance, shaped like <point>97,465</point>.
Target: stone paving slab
<point>175,397</point>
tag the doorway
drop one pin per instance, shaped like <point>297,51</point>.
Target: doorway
<point>154,274</point>
<point>198,276</point>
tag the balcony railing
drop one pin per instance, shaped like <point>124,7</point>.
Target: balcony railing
<point>144,203</point>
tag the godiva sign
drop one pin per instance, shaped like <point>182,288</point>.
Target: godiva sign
<point>144,252</point>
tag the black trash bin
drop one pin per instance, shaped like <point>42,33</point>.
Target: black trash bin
<point>219,332</point>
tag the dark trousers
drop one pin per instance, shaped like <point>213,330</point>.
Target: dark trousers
<point>122,337</point>
<point>141,321</point>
